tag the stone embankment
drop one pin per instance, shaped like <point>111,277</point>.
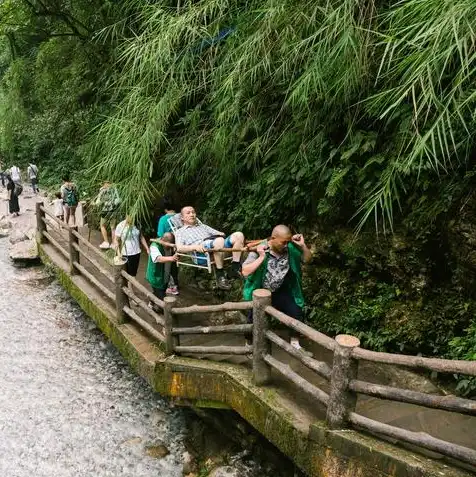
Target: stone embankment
<point>20,230</point>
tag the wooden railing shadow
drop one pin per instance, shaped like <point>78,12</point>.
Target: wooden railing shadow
<point>340,402</point>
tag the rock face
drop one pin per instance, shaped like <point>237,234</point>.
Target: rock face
<point>225,471</point>
<point>24,251</point>
<point>17,236</point>
<point>189,464</point>
<point>5,223</point>
<point>21,231</point>
<point>158,451</point>
<point>5,227</point>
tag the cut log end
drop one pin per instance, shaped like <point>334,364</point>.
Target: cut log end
<point>261,293</point>
<point>347,341</point>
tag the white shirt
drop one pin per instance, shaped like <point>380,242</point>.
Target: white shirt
<point>15,173</point>
<point>154,252</point>
<point>58,205</point>
<point>32,171</point>
<point>130,238</point>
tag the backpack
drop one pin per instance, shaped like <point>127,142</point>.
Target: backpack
<point>71,197</point>
<point>18,189</point>
<point>109,200</point>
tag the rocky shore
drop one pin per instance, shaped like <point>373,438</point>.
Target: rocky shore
<point>20,230</point>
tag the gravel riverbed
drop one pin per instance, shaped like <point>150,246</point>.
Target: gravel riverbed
<point>69,405</point>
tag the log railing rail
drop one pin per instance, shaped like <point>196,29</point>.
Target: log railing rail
<point>46,213</point>
<point>339,399</point>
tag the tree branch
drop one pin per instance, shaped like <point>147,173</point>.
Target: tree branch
<point>66,18</point>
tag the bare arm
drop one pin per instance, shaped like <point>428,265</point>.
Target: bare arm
<point>187,248</point>
<point>165,259</point>
<point>144,243</point>
<point>250,268</point>
<point>190,248</point>
<point>306,253</point>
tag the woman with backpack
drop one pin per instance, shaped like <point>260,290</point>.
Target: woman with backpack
<point>70,196</point>
<point>13,204</point>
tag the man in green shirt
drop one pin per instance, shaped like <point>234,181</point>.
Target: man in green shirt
<point>166,238</point>
<point>276,266</point>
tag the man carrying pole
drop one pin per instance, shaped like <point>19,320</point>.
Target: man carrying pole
<point>276,266</point>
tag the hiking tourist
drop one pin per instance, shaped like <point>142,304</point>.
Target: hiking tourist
<point>12,191</point>
<point>108,202</point>
<point>156,273</point>
<point>58,208</point>
<point>276,266</point>
<point>70,196</point>
<point>15,174</point>
<point>32,173</point>
<point>129,240</point>
<point>2,173</point>
<point>197,237</point>
<point>167,239</point>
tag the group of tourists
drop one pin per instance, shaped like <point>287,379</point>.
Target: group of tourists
<point>65,202</point>
<point>273,263</point>
<point>11,178</point>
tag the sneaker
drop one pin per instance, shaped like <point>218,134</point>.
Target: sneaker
<point>153,307</point>
<point>172,291</point>
<point>295,343</point>
<point>105,245</point>
<point>223,283</point>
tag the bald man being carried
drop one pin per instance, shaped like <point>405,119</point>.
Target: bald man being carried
<point>197,237</point>
<point>276,266</point>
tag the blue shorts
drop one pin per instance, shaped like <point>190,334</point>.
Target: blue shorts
<point>201,258</point>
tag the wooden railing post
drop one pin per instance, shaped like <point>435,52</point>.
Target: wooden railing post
<point>40,223</point>
<point>342,400</point>
<point>73,253</point>
<point>122,299</point>
<point>261,345</point>
<point>170,340</point>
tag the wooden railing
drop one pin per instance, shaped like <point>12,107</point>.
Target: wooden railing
<point>161,322</point>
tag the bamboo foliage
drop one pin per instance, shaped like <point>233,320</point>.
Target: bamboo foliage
<point>331,102</point>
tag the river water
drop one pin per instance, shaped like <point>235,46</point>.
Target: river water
<point>69,404</point>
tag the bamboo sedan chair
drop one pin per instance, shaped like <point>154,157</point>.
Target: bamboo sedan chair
<point>204,261</point>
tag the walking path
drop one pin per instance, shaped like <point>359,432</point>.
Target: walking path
<point>449,426</point>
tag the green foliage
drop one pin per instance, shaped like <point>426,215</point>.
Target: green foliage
<point>338,109</point>
<point>50,68</point>
<point>380,292</point>
<point>464,347</point>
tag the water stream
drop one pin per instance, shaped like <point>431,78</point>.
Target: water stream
<point>69,404</point>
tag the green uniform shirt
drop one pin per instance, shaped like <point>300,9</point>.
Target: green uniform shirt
<point>256,279</point>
